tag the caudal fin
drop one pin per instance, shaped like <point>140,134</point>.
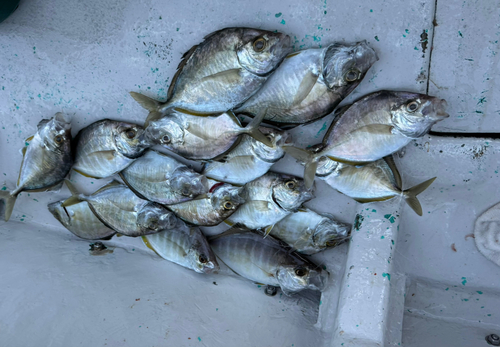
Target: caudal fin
<point>9,201</point>
<point>149,104</point>
<point>310,161</point>
<point>252,129</point>
<point>410,195</point>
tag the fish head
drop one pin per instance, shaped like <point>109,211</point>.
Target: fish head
<point>294,278</point>
<point>130,139</point>
<point>56,133</point>
<point>345,65</point>
<point>277,138</point>
<point>226,198</point>
<point>262,51</point>
<point>188,183</point>
<point>326,166</point>
<point>166,132</point>
<point>200,254</point>
<point>413,114</point>
<point>329,233</point>
<point>153,218</point>
<point>290,192</point>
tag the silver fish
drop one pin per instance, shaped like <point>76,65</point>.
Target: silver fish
<point>377,181</point>
<point>309,84</point>
<point>310,232</point>
<point>221,72</point>
<point>121,210</point>
<point>211,209</point>
<point>249,160</point>
<point>373,127</point>
<point>46,160</point>
<point>107,147</point>
<point>80,220</point>
<point>160,178</point>
<point>201,138</point>
<point>186,246</point>
<point>269,199</point>
<point>267,261</point>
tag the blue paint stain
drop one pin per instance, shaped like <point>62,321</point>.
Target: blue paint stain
<point>390,218</point>
<point>387,275</point>
<point>283,22</point>
<point>464,281</point>
<point>277,15</point>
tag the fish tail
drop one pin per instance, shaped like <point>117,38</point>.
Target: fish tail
<point>252,129</point>
<point>152,105</point>
<point>410,195</point>
<point>309,159</point>
<point>10,201</point>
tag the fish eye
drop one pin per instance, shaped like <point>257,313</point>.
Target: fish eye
<point>153,224</point>
<point>59,139</point>
<point>412,106</point>
<point>228,205</point>
<point>165,139</point>
<point>259,44</point>
<point>131,133</point>
<point>202,259</point>
<point>290,184</point>
<point>270,138</point>
<point>300,271</point>
<point>352,75</point>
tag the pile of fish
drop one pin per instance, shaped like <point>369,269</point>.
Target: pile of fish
<point>235,71</point>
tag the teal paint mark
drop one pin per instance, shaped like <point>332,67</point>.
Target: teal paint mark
<point>177,29</point>
<point>489,315</point>
<point>35,200</point>
<point>464,281</point>
<point>258,286</point>
<point>199,338</point>
<point>358,221</point>
<point>161,18</point>
<point>216,309</point>
<point>133,249</point>
<point>392,242</point>
<point>469,59</point>
<point>277,15</point>
<point>34,50</point>
<point>447,289</point>
<point>482,100</point>
<point>465,299</point>
<point>283,22</point>
<point>479,292</point>
<point>4,188</point>
<point>482,306</point>
<point>373,209</point>
<point>407,31</point>
<point>324,12</point>
<point>26,143</point>
<point>390,218</point>
<point>459,33</point>
<point>320,302</point>
<point>376,38</point>
<point>415,48</point>
<point>323,128</point>
<point>387,275</point>
<point>22,219</point>
<point>371,10</point>
<point>382,237</point>
<point>39,95</point>
<point>357,325</point>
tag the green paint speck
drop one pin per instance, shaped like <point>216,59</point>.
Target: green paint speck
<point>277,15</point>
<point>447,289</point>
<point>4,188</point>
<point>465,300</point>
<point>482,306</point>
<point>479,292</point>
<point>324,12</point>
<point>489,315</point>
<point>371,10</point>
<point>392,242</point>
<point>459,33</point>
<point>217,309</point>
<point>283,22</point>
<point>177,29</point>
<point>199,338</point>
<point>387,275</point>
<point>415,48</point>
<point>390,218</point>
<point>374,210</point>
<point>376,38</point>
<point>22,219</point>
<point>464,281</point>
<point>323,128</point>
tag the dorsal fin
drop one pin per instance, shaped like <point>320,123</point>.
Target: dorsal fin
<point>113,183</point>
<point>235,229</point>
<point>184,60</point>
<point>392,165</point>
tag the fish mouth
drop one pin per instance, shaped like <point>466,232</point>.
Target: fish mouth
<point>438,110</point>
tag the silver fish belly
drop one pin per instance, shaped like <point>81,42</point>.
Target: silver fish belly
<point>309,84</point>
<point>186,246</point>
<point>267,261</point>
<point>249,160</point>
<point>106,147</point>
<point>162,179</point>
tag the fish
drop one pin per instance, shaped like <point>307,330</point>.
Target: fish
<point>267,261</point>
<point>107,147</point>
<point>309,84</point>
<point>269,199</point>
<point>211,209</point>
<point>221,72</point>
<point>309,232</point>
<point>377,181</point>
<point>160,178</point>
<point>373,127</point>
<point>47,159</point>
<point>249,160</point>
<point>186,246</point>
<point>117,207</point>
<point>80,220</point>
<point>202,138</point>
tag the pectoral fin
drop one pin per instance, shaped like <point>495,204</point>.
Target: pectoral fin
<point>305,87</point>
<point>231,76</point>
